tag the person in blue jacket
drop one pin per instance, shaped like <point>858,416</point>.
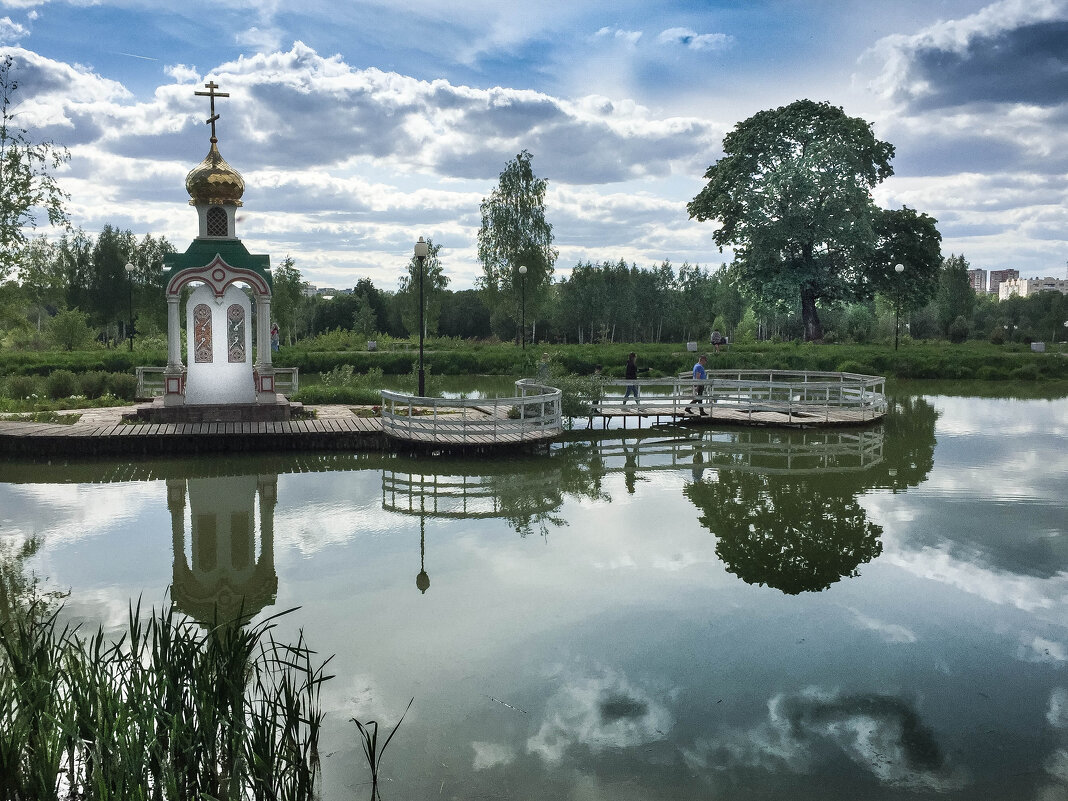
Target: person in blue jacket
<point>699,374</point>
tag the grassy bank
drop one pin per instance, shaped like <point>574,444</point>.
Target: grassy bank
<point>54,380</point>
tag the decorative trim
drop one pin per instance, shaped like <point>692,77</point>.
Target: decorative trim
<point>235,334</point>
<point>202,342</point>
<point>218,275</point>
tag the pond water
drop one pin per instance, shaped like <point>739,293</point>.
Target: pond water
<point>676,613</point>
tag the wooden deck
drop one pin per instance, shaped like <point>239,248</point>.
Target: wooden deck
<point>732,415</point>
<point>101,432</point>
<point>531,417</point>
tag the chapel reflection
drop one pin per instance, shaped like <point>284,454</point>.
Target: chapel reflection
<point>227,571</point>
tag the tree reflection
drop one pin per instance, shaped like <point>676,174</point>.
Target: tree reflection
<point>794,535</point>
<point>803,530</point>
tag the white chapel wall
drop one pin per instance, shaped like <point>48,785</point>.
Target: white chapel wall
<point>219,347</point>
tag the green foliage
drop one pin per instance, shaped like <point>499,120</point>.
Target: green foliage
<point>344,385</point>
<point>434,282</point>
<point>20,387</point>
<point>286,296</point>
<point>955,296</point>
<point>123,386</point>
<point>70,330</point>
<point>958,329</point>
<point>168,712</point>
<point>27,183</point>
<point>61,384</point>
<point>793,196</point>
<point>374,752</point>
<point>515,232</point>
<point>93,384</point>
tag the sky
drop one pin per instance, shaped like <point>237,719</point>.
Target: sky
<point>361,125</point>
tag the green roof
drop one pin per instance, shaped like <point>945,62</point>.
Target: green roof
<point>202,252</point>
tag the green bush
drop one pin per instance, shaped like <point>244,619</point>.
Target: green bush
<point>958,329</point>
<point>1028,372</point>
<point>988,373</point>
<point>69,329</point>
<point>855,367</point>
<point>61,384</point>
<point>123,385</point>
<point>93,384</point>
<point>20,387</point>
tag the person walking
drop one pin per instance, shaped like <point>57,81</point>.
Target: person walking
<point>699,374</point>
<point>630,373</point>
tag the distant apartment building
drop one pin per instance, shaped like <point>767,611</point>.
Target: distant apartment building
<point>1031,286</point>
<point>977,278</point>
<point>997,277</point>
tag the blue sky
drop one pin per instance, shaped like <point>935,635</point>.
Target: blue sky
<point>359,126</point>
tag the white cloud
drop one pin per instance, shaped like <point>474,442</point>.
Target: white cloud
<point>695,41</point>
<point>11,31</point>
<point>628,37</point>
<point>261,39</point>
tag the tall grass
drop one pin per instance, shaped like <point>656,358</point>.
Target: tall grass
<point>372,750</point>
<point>169,711</point>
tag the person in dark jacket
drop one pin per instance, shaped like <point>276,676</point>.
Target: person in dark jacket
<point>631,374</point>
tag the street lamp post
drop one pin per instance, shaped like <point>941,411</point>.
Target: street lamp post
<point>523,305</point>
<point>898,268</point>
<point>130,275</point>
<point>421,251</point>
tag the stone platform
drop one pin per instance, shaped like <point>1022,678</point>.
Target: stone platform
<point>155,412</point>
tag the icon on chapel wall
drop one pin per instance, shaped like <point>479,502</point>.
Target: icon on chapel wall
<point>202,352</point>
<point>235,332</point>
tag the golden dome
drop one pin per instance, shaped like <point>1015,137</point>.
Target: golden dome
<point>214,181</point>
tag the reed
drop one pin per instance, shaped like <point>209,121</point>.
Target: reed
<point>374,752</point>
<point>169,711</point>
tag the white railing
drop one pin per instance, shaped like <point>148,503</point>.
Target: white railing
<point>785,391</point>
<point>150,381</point>
<point>532,414</point>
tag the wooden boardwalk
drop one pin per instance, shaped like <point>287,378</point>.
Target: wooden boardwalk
<point>101,432</point>
<point>531,417</point>
<point>730,415</point>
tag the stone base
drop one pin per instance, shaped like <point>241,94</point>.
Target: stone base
<point>157,412</point>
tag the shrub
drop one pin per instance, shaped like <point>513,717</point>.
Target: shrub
<point>70,329</point>
<point>93,384</point>
<point>1028,372</point>
<point>20,387</point>
<point>61,384</point>
<point>988,373</point>
<point>958,329</point>
<point>123,385</point>
<point>855,367</point>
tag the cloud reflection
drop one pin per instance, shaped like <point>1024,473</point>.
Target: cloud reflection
<point>599,712</point>
<point>882,734</point>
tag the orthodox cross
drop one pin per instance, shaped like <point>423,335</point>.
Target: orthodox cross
<point>211,86</point>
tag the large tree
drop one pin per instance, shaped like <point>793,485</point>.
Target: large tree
<point>28,187</point>
<point>515,233</point>
<point>792,194</point>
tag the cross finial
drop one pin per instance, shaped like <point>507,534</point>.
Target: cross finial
<point>211,86</point>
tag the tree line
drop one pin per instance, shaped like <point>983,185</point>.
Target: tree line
<point>814,259</point>
<point>79,285</point>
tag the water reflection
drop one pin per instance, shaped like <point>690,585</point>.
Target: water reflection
<point>797,536</point>
<point>785,510</point>
<point>625,654</point>
<point>223,575</point>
